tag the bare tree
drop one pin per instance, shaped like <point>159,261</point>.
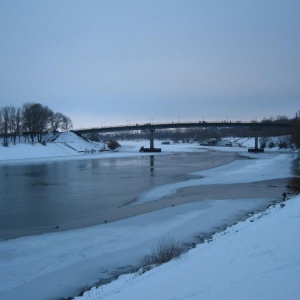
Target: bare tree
<point>11,121</point>
<point>2,130</point>
<point>1,122</point>
<point>18,123</point>
<point>56,121</point>
<point>268,120</point>
<point>35,119</point>
<point>5,116</point>
<point>281,119</point>
<point>28,120</point>
<point>67,123</point>
<point>283,141</point>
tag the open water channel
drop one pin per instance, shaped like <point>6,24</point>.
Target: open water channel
<point>60,195</point>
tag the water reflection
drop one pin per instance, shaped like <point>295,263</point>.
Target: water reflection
<point>70,194</point>
<point>152,164</point>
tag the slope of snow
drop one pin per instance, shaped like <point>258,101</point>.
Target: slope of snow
<point>255,259</point>
<point>67,144</point>
<point>77,143</point>
<point>33,151</point>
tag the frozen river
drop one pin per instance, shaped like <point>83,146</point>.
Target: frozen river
<point>45,197</point>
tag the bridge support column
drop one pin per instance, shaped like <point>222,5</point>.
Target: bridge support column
<point>256,149</point>
<point>152,138</point>
<point>151,130</point>
<point>256,143</point>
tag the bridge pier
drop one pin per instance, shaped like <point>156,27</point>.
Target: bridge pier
<point>256,149</point>
<point>151,130</point>
<point>152,139</point>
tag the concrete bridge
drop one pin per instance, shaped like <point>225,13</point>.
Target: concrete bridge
<point>151,127</point>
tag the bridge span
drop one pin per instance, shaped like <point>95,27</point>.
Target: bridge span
<point>151,127</point>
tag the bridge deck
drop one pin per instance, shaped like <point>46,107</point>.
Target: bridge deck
<point>154,126</point>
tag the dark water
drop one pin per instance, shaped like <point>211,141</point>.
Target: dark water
<point>36,198</point>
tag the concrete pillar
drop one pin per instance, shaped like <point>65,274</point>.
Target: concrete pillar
<point>256,142</point>
<point>256,149</point>
<point>152,138</point>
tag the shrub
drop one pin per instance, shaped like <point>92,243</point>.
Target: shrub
<point>283,142</point>
<point>113,145</point>
<point>166,250</point>
<point>271,144</point>
<point>263,142</point>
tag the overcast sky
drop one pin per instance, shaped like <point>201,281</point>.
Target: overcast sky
<point>115,62</point>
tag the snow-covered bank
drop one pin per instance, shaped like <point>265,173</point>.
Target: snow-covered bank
<point>65,145</point>
<point>30,267</point>
<point>70,146</point>
<point>61,264</point>
<point>255,259</point>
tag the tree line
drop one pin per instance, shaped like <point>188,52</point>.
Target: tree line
<point>32,120</point>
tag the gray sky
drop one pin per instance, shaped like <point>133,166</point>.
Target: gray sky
<point>115,62</point>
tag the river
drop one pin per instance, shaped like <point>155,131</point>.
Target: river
<point>61,195</point>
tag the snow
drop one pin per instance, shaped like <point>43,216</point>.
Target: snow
<point>255,259</point>
<point>70,146</point>
<point>263,168</point>
<point>66,145</point>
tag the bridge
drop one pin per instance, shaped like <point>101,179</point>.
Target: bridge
<point>152,127</point>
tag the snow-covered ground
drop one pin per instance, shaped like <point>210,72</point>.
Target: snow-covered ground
<point>65,145</point>
<point>256,259</point>
<point>68,145</point>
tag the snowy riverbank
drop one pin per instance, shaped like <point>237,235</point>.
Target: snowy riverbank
<point>68,145</point>
<point>55,265</point>
<point>255,259</point>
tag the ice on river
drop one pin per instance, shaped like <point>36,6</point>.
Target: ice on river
<point>266,167</point>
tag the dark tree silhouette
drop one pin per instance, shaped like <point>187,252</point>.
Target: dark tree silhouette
<point>35,119</point>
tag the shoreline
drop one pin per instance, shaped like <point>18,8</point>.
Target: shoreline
<point>189,244</point>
